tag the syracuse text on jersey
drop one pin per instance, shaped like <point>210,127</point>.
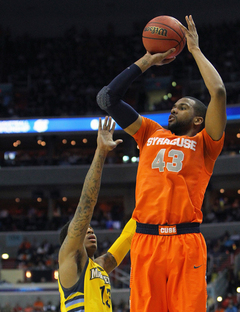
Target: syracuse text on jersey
<point>181,142</point>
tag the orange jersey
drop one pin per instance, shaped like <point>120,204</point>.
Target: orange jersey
<point>173,174</point>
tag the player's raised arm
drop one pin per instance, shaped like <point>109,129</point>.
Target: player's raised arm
<point>110,97</point>
<point>215,121</point>
<point>72,254</point>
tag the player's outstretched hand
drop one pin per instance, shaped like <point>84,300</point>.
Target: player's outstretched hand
<point>190,33</point>
<point>105,135</point>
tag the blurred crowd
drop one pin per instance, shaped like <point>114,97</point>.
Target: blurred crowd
<point>41,305</point>
<point>41,256</point>
<point>230,303</point>
<point>27,217</point>
<point>221,254</point>
<point>38,306</point>
<point>223,209</point>
<point>61,76</point>
<point>68,157</point>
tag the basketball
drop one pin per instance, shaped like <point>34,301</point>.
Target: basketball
<point>163,33</point>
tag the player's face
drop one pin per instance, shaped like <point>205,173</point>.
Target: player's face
<point>180,120</point>
<point>90,242</point>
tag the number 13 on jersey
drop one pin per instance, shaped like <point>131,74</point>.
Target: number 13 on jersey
<point>108,294</point>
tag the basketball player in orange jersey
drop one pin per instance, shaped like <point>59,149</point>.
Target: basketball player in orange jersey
<point>168,252</point>
<point>84,284</point>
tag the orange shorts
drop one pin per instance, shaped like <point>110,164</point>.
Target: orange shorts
<point>168,273</point>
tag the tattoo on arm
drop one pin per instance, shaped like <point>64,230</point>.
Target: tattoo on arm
<point>88,199</point>
<point>144,62</point>
<point>109,262</point>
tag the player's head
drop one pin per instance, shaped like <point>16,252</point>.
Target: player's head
<point>188,113</point>
<point>90,240</point>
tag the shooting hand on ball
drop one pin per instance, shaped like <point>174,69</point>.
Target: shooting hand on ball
<point>158,59</point>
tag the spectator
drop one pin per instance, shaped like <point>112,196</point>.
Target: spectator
<point>231,307</point>
<point>7,307</point>
<point>49,307</point>
<point>28,308</point>
<point>219,308</point>
<point>38,305</point>
<point>229,299</point>
<point>17,308</point>
<point>24,253</point>
<point>231,279</point>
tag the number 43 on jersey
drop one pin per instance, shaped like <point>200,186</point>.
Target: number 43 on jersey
<point>175,165</point>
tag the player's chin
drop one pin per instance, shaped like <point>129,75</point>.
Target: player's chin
<point>92,245</point>
<point>170,125</point>
<point>91,249</point>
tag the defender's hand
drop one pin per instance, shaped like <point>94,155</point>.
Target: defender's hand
<point>105,135</point>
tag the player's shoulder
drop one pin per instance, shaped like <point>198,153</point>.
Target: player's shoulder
<point>151,124</point>
<point>203,134</point>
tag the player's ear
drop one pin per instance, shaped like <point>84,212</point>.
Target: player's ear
<point>198,120</point>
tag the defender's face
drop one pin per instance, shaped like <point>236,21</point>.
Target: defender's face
<point>181,118</point>
<point>90,241</point>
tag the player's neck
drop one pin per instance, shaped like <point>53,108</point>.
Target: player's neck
<point>189,133</point>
